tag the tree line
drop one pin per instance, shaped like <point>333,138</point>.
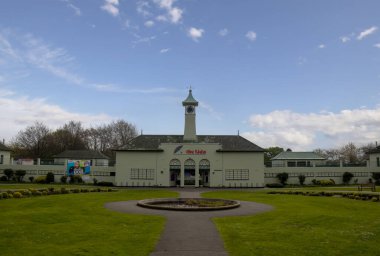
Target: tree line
<point>349,153</point>
<point>39,141</point>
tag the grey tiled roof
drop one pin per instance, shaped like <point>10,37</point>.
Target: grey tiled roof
<point>288,155</point>
<point>4,148</point>
<point>230,143</point>
<point>81,154</point>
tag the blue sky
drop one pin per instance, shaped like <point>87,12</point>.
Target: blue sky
<point>299,74</point>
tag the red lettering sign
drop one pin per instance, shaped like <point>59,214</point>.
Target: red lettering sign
<point>195,152</point>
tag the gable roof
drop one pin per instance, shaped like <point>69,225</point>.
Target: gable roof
<point>288,155</point>
<point>229,143</point>
<point>81,154</point>
<point>4,148</point>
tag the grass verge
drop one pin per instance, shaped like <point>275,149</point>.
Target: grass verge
<point>78,224</point>
<point>301,226</point>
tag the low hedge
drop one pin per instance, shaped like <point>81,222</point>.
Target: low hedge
<point>350,195</point>
<point>49,191</point>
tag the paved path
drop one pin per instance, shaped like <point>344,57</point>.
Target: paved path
<point>190,233</point>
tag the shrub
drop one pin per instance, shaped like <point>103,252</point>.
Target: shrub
<point>4,195</point>
<point>301,179</point>
<point>329,182</point>
<point>64,191</point>
<point>9,173</point>
<point>275,185</point>
<point>40,179</point>
<point>75,190</point>
<point>376,177</point>
<point>3,178</point>
<point>105,183</point>
<point>10,195</point>
<point>26,192</point>
<point>20,175</point>
<point>17,195</point>
<point>76,179</point>
<point>282,177</point>
<point>64,179</point>
<point>50,177</point>
<point>347,176</point>
<point>95,181</point>
<point>31,178</point>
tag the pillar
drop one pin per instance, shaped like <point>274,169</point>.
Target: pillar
<point>182,175</point>
<point>38,161</point>
<point>196,175</point>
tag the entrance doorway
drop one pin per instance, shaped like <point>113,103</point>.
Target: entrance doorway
<point>204,173</point>
<point>189,172</point>
<point>175,172</point>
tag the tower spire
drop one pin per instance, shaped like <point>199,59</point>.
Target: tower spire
<point>190,104</point>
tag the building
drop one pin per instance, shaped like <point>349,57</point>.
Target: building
<point>5,154</point>
<point>97,158</point>
<point>374,157</point>
<point>297,159</point>
<point>190,159</point>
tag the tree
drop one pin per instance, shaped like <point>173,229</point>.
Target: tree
<point>301,179</point>
<point>282,177</point>
<point>271,152</point>
<point>347,176</point>
<point>32,142</point>
<point>376,177</point>
<point>350,153</point>
<point>9,173</point>
<point>20,175</point>
<point>50,177</point>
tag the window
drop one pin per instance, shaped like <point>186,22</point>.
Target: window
<point>2,160</point>
<point>378,161</point>
<point>291,164</point>
<point>301,164</point>
<point>237,174</point>
<point>142,174</point>
<point>102,173</point>
<point>112,173</point>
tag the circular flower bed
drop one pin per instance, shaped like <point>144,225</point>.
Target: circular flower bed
<point>188,204</point>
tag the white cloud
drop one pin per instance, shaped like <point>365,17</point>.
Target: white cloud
<point>366,32</point>
<point>76,10</point>
<point>110,6</point>
<point>143,8</point>
<point>173,14</point>
<point>195,33</point>
<point>377,45</point>
<point>149,23</point>
<point>344,39</point>
<point>21,111</point>
<point>223,32</point>
<point>165,50</point>
<point>306,131</point>
<point>216,115</point>
<point>321,46</point>
<point>251,35</point>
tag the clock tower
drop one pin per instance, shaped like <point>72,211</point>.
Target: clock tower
<point>190,131</point>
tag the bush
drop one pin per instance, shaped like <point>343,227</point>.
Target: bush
<point>40,179</point>
<point>376,177</point>
<point>9,173</point>
<point>64,191</point>
<point>17,195</point>
<point>64,179</point>
<point>95,181</point>
<point>4,195</point>
<point>76,179</point>
<point>105,183</point>
<point>282,177</point>
<point>3,178</point>
<point>275,185</point>
<point>50,177</point>
<point>347,176</point>
<point>301,179</point>
<point>31,178</point>
<point>20,175</point>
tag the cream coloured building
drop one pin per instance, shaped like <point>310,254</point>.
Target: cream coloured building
<point>190,159</point>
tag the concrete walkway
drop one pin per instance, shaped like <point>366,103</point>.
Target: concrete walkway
<point>190,233</point>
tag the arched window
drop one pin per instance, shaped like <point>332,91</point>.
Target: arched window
<point>190,164</point>
<point>175,164</point>
<point>204,164</point>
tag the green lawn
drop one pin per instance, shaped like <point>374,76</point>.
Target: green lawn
<point>335,188</point>
<point>78,224</point>
<point>301,225</point>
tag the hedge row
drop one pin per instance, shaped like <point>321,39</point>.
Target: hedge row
<point>49,191</point>
<point>350,195</point>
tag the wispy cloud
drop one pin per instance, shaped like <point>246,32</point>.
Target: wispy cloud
<point>344,39</point>
<point>20,111</point>
<point>195,33</point>
<point>377,45</point>
<point>301,130</point>
<point>111,6</point>
<point>216,115</point>
<point>76,9</point>
<point>143,8</point>
<point>366,32</point>
<point>251,35</point>
<point>149,23</point>
<point>173,14</point>
<point>165,50</point>
<point>321,46</point>
<point>223,32</point>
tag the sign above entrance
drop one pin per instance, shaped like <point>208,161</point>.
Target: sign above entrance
<point>181,151</point>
